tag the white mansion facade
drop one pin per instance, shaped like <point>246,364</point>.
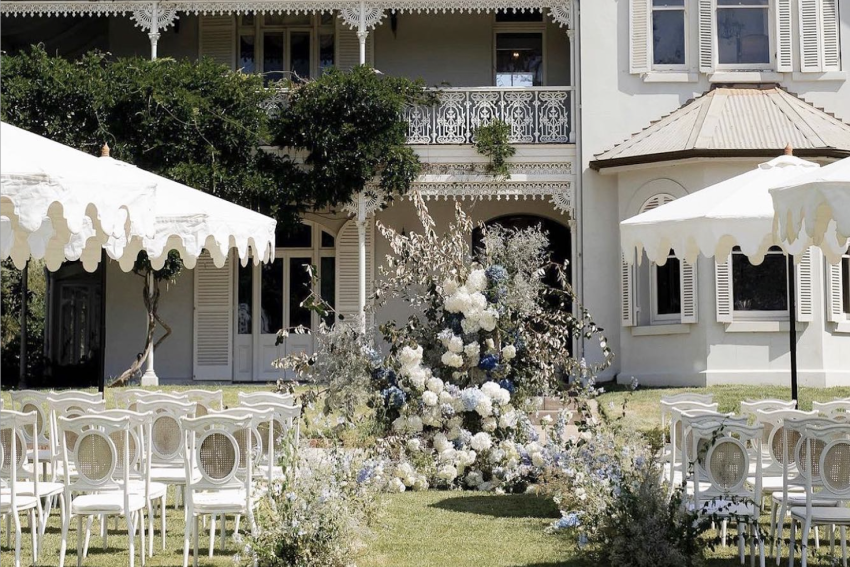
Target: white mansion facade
<point>615,107</point>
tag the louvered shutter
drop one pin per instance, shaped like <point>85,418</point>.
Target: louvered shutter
<point>834,306</point>
<point>213,348</point>
<point>627,293</point>
<point>784,40</point>
<point>810,61</point>
<point>640,16</point>
<point>347,262</point>
<point>347,54</point>
<point>218,39</point>
<point>723,289</point>
<point>803,287</point>
<point>688,290</point>
<point>705,9</point>
<point>831,43</point>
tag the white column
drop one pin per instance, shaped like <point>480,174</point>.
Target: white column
<point>361,260</point>
<point>574,94</point>
<point>149,378</point>
<point>153,35</point>
<point>362,32</point>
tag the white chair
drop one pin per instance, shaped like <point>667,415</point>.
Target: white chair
<point>673,411</point>
<point>794,478</point>
<point>724,466</point>
<point>102,483</point>
<point>13,459</point>
<point>750,407</point>
<point>253,398</point>
<point>212,449</point>
<point>68,407</point>
<point>126,398</point>
<point>838,410</point>
<point>772,448</point>
<point>831,466</point>
<point>287,418</point>
<point>207,400</point>
<point>76,395</point>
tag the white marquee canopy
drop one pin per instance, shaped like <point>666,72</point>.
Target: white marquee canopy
<point>815,208</point>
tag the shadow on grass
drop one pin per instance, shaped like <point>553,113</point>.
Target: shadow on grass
<point>507,506</point>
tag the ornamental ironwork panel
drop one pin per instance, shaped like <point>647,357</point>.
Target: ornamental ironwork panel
<point>536,115</point>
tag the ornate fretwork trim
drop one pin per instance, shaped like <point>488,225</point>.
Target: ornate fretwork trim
<point>166,14</point>
<point>466,169</point>
<point>372,16</point>
<point>560,195</point>
<point>369,201</point>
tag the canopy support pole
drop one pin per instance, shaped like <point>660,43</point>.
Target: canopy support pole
<point>22,373</point>
<point>792,326</point>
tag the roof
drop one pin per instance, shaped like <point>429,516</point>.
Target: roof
<point>755,121</point>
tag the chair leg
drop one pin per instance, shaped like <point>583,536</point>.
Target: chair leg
<point>89,521</point>
<point>63,545</point>
<point>792,545</point>
<point>843,533</point>
<point>804,537</point>
<point>33,529</point>
<point>780,529</point>
<point>131,535</point>
<point>817,538</point>
<point>150,528</point>
<point>752,526</point>
<point>195,557</point>
<point>17,521</point>
<point>187,534</point>
<point>141,537</point>
<point>773,511</point>
<point>223,526</point>
<point>79,541</point>
<point>162,508</point>
<point>212,533</point>
<point>724,524</point>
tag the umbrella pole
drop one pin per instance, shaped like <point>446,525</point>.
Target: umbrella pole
<point>792,327</point>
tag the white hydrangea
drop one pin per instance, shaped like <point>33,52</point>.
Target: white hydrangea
<point>444,336</point>
<point>488,319</point>
<point>474,478</point>
<point>470,326</point>
<point>429,398</point>
<point>448,455</point>
<point>414,445</point>
<point>414,424</point>
<point>509,352</point>
<point>454,433</point>
<point>400,424</point>
<point>432,415</point>
<point>490,389</point>
<point>449,287</point>
<point>480,441</point>
<point>410,357</point>
<point>455,344</point>
<point>456,421</point>
<point>441,442</point>
<point>477,280</point>
<point>421,483</point>
<point>447,473</point>
<point>489,424</point>
<point>472,350</point>
<point>452,360</point>
<point>502,397</point>
<point>446,397</point>
<point>396,485</point>
<point>508,419</point>
<point>496,456</point>
<point>466,458</point>
<point>418,375</point>
<point>405,472</point>
<point>484,407</point>
<point>435,385</point>
<point>458,302</point>
<point>477,303</point>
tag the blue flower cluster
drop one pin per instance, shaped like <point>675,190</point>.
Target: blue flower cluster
<point>508,385</point>
<point>470,398</point>
<point>496,274</point>
<point>394,397</point>
<point>488,362</point>
<point>568,520</point>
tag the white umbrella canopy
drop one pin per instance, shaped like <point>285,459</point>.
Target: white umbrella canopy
<point>815,209</point>
<point>712,221</point>
<point>59,203</point>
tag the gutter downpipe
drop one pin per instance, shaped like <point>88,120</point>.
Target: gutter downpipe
<point>579,260</point>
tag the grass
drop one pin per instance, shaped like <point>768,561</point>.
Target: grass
<point>437,528</point>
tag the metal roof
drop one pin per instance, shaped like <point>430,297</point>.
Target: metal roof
<point>725,122</point>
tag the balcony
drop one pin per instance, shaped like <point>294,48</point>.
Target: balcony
<point>536,115</point>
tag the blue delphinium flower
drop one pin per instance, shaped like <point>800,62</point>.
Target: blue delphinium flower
<point>394,398</point>
<point>496,274</point>
<point>488,362</point>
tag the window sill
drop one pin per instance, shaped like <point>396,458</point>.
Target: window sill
<point>745,77</point>
<point>760,326</point>
<point>842,327</point>
<point>658,330</point>
<point>670,77</point>
<point>828,76</point>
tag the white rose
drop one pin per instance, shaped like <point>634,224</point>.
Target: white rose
<point>455,344</point>
<point>489,424</point>
<point>435,385</point>
<point>447,473</point>
<point>429,398</point>
<point>509,352</point>
<point>480,441</point>
<point>452,360</point>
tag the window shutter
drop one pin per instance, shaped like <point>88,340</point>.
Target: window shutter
<point>218,39</point>
<point>688,289</point>
<point>640,15</point>
<point>784,41</point>
<point>347,54</point>
<point>831,43</point>
<point>834,306</point>
<point>803,287</point>
<point>347,261</point>
<point>213,348</point>
<point>723,289</point>
<point>627,292</point>
<point>810,60</point>
<point>706,35</point>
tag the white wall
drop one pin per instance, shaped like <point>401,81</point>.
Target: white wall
<point>126,322</point>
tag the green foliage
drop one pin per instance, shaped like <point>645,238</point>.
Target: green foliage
<point>492,141</point>
<point>349,126</point>
<point>10,326</point>
<point>170,270</point>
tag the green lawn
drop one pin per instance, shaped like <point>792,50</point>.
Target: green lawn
<point>438,528</point>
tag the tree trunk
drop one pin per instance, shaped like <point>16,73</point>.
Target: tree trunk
<point>151,304</point>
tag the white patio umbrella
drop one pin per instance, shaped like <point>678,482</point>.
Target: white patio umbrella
<point>815,209</point>
<point>60,204</point>
<point>712,221</point>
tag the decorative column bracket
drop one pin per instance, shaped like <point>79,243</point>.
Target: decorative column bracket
<point>368,201</point>
<point>372,16</point>
<point>562,15</point>
<point>153,18</point>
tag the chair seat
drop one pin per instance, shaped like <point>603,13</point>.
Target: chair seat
<point>822,515</point>
<point>799,499</point>
<point>21,502</point>
<point>220,502</point>
<point>726,508</point>
<point>171,475</point>
<point>157,489</point>
<point>105,503</point>
<point>768,483</point>
<point>44,488</point>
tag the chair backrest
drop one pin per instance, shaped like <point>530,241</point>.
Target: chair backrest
<point>286,418</point>
<point>675,412</point>
<point>140,440</point>
<point>15,428</point>
<point>125,398</point>
<point>252,447</point>
<point>689,397</point>
<point>26,401</point>
<point>726,463</point>
<point>833,463</point>
<point>774,420</point>
<point>70,407</point>
<point>750,407</point>
<point>253,398</point>
<point>212,448</point>
<point>207,400</point>
<point>166,429</point>
<point>689,419</point>
<point>76,395</point>
<point>794,450</point>
<point>99,463</point>
<point>838,410</point>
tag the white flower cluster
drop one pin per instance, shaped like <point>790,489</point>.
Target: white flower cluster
<point>406,477</point>
<point>469,300</point>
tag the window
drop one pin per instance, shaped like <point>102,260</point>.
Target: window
<point>845,282</point>
<point>743,36</point>
<point>521,16</point>
<point>286,46</point>
<point>760,290</point>
<point>666,291</point>
<point>519,59</point>
<point>668,33</point>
